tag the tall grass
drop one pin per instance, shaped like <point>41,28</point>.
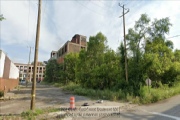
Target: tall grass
<point>95,94</point>
<point>1,93</point>
<point>146,96</point>
<point>157,94</point>
<point>33,114</point>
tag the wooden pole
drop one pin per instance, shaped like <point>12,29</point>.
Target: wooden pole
<point>33,92</point>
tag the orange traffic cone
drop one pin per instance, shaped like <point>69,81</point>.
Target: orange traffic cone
<point>72,102</point>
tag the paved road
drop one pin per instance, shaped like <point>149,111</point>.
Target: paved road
<point>165,110</point>
<point>48,96</point>
<point>168,109</point>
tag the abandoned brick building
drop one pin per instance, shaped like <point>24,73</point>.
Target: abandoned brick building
<point>77,43</point>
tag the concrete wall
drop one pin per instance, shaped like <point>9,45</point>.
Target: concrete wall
<point>14,71</point>
<point>2,61</point>
<point>7,65</point>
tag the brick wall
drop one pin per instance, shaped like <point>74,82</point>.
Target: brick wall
<point>76,39</point>
<point>9,83</point>
<point>60,60</point>
<point>74,47</point>
<point>77,43</point>
<point>83,42</point>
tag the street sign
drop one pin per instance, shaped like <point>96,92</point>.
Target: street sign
<point>148,82</point>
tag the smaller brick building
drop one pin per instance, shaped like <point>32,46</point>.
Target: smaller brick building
<point>77,43</point>
<point>9,74</point>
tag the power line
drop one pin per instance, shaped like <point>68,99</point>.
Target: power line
<point>127,2</point>
<point>98,5</point>
<point>33,37</point>
<point>89,8</point>
<point>104,8</point>
<point>44,10</point>
<point>28,23</point>
<point>109,7</point>
<point>27,77</point>
<point>173,36</point>
<point>119,32</point>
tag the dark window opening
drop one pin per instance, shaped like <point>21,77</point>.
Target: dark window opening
<point>65,48</point>
<point>83,48</point>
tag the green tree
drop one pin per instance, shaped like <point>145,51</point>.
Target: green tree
<point>82,69</point>
<point>52,69</point>
<point>135,39</point>
<point>1,17</point>
<point>70,63</point>
<point>91,60</point>
<point>149,52</point>
<point>177,55</point>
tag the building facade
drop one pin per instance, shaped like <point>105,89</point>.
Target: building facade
<point>9,74</point>
<point>26,71</point>
<point>77,43</point>
<point>53,55</point>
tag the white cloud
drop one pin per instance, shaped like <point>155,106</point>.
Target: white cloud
<point>20,24</point>
<point>60,20</point>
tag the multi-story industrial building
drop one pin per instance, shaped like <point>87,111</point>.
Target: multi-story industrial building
<point>77,43</point>
<point>26,71</point>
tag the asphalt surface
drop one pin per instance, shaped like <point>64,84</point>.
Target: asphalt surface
<point>18,101</point>
<point>49,96</point>
<point>168,109</point>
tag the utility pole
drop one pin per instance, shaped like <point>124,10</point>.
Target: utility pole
<point>125,50</point>
<point>28,78</point>
<point>33,92</point>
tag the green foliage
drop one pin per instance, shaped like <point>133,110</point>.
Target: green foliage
<point>157,94</point>
<point>149,55</point>
<point>52,69</point>
<point>70,67</point>
<point>145,96</point>
<point>177,55</point>
<point>30,115</point>
<point>95,94</point>
<point>1,18</point>
<point>71,86</point>
<point>1,93</point>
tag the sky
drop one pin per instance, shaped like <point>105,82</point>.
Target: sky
<point>62,19</point>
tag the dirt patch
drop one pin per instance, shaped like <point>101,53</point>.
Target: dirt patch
<point>46,96</point>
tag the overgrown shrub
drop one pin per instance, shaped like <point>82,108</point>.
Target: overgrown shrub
<point>1,93</point>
